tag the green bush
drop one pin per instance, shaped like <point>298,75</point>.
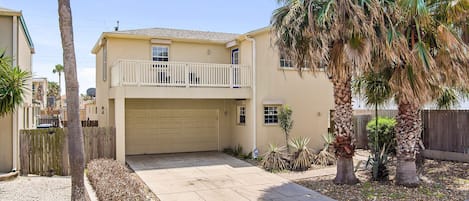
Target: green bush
<point>386,134</point>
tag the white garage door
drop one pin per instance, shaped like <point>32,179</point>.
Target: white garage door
<point>167,131</point>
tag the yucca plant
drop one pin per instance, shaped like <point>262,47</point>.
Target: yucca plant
<point>378,164</point>
<point>328,140</point>
<point>274,159</point>
<point>302,157</point>
<point>326,157</point>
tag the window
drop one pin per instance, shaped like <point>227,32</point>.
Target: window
<point>160,53</point>
<point>235,56</point>
<point>241,115</point>
<point>285,63</point>
<point>270,114</point>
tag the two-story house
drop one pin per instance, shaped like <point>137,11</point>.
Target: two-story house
<point>17,44</point>
<point>171,90</point>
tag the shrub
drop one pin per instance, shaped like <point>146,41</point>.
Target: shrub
<point>386,134</point>
<point>238,150</point>
<point>274,159</point>
<point>326,156</point>
<point>113,181</point>
<point>302,157</point>
<point>378,161</point>
<point>285,122</point>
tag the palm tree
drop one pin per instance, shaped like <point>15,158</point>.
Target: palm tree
<point>13,85</point>
<point>450,97</point>
<point>375,89</point>
<point>339,35</point>
<point>59,69</point>
<point>75,136</point>
<point>432,54</point>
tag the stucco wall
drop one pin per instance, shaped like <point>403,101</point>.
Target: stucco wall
<point>310,96</point>
<point>6,148</point>
<point>6,34</point>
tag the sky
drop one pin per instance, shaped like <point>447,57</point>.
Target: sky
<point>92,17</point>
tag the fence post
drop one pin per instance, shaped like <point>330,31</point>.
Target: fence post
<point>65,163</point>
<point>24,153</point>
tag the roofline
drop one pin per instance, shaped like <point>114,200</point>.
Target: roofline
<point>26,32</point>
<point>10,12</point>
<point>241,37</point>
<point>23,24</point>
<point>254,33</point>
<point>104,35</point>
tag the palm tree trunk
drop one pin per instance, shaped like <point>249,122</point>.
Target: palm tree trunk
<point>408,130</point>
<point>75,136</point>
<point>343,128</point>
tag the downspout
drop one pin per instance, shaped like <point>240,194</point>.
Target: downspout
<point>15,114</point>
<point>254,98</point>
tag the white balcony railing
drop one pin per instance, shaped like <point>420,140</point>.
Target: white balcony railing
<point>179,74</point>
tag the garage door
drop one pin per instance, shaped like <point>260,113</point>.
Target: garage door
<point>167,131</point>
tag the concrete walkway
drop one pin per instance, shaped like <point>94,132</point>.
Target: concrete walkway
<point>214,176</point>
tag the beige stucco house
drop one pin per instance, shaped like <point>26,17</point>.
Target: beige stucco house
<point>170,90</point>
<point>15,40</point>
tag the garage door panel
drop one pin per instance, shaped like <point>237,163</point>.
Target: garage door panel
<point>166,131</point>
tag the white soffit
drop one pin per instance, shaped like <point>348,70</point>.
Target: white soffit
<point>231,44</point>
<point>160,41</point>
<point>273,102</point>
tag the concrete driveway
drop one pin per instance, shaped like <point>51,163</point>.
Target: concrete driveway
<point>214,176</point>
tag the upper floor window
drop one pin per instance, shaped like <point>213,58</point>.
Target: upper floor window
<point>160,53</point>
<point>285,62</point>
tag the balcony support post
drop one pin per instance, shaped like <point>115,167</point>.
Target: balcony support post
<point>186,75</point>
<point>231,76</point>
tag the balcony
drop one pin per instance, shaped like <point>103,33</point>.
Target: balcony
<point>233,81</point>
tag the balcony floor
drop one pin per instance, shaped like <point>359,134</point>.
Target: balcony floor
<point>180,92</point>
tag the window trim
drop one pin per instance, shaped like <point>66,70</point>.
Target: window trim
<point>238,115</point>
<point>163,46</point>
<point>264,114</point>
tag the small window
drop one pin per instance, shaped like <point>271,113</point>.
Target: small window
<point>285,63</point>
<point>270,114</point>
<point>160,53</point>
<point>241,115</point>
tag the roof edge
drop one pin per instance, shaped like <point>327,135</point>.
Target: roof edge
<point>26,32</point>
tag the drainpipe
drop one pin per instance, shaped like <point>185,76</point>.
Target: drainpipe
<point>254,98</point>
<point>16,113</point>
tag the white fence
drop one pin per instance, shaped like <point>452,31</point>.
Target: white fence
<point>180,74</point>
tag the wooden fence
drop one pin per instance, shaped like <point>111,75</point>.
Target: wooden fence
<point>445,132</point>
<point>45,151</point>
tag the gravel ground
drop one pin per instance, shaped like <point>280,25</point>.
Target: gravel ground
<point>35,188</point>
<point>441,180</point>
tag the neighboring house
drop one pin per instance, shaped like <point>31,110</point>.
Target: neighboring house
<point>15,40</point>
<point>39,89</point>
<point>169,90</point>
<point>91,110</point>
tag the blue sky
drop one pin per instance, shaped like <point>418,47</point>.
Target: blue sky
<point>91,18</point>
